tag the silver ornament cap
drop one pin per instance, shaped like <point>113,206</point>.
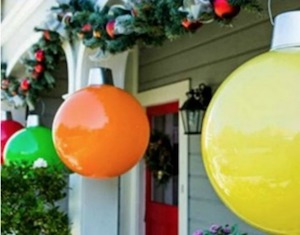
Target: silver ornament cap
<point>33,120</point>
<point>100,76</point>
<point>286,31</point>
<point>6,115</point>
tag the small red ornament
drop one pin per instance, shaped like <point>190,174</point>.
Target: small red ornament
<point>224,9</point>
<point>110,28</point>
<point>25,84</point>
<point>191,25</point>
<point>47,35</point>
<point>39,68</point>
<point>86,28</point>
<point>39,55</point>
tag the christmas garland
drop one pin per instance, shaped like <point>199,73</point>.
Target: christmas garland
<point>42,61</point>
<point>111,29</point>
<point>158,157</point>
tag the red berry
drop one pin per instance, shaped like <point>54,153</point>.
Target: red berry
<point>190,25</point>
<point>110,28</point>
<point>25,84</point>
<point>224,9</point>
<point>186,23</point>
<point>39,55</point>
<point>39,68</point>
<point>86,28</point>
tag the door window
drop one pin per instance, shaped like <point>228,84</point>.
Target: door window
<point>167,193</point>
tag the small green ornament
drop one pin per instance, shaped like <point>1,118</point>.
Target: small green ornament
<point>29,144</point>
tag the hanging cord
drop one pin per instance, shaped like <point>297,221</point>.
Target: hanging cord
<point>270,12</point>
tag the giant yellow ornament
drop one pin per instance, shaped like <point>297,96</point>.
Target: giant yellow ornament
<point>251,141</point>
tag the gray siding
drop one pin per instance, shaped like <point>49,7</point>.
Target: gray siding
<point>209,56</point>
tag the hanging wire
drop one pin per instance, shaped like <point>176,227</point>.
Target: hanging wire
<point>270,12</point>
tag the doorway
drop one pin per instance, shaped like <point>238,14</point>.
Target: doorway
<point>136,203</point>
<point>162,196</point>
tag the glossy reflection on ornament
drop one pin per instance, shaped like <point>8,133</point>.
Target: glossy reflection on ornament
<point>101,131</point>
<point>251,142</point>
<point>29,144</point>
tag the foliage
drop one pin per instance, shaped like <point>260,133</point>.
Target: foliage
<point>38,70</point>
<point>158,157</point>
<point>216,229</point>
<point>29,199</point>
<point>110,29</point>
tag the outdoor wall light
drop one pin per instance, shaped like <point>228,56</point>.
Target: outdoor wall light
<point>193,109</point>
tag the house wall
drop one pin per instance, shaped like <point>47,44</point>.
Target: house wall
<point>50,101</point>
<point>209,56</point>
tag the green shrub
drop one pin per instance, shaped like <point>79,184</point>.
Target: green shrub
<point>29,196</point>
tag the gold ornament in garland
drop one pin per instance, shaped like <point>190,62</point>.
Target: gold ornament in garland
<point>111,29</point>
<point>159,156</point>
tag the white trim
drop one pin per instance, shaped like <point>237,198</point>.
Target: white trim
<point>21,50</point>
<point>95,203</point>
<point>67,47</point>
<point>78,83</point>
<point>16,17</point>
<point>156,96</point>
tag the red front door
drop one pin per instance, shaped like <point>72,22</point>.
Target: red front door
<point>162,199</point>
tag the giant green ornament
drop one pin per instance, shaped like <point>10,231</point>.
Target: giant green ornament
<point>29,144</point>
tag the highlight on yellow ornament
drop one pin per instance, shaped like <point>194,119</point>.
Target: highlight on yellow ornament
<point>251,141</point>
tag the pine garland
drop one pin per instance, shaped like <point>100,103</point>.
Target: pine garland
<point>112,29</point>
<point>44,58</point>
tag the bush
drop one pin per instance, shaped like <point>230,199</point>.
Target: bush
<point>29,197</point>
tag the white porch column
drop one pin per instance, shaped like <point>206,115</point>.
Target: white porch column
<point>94,203</point>
<point>93,206</point>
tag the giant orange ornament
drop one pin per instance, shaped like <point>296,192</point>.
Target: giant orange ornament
<point>251,135</point>
<point>100,131</point>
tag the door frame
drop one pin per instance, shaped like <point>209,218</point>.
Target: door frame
<point>165,94</point>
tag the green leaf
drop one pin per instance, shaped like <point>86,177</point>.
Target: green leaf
<point>49,78</point>
<point>28,200</point>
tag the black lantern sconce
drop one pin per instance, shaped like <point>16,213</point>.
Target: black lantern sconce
<point>193,109</point>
